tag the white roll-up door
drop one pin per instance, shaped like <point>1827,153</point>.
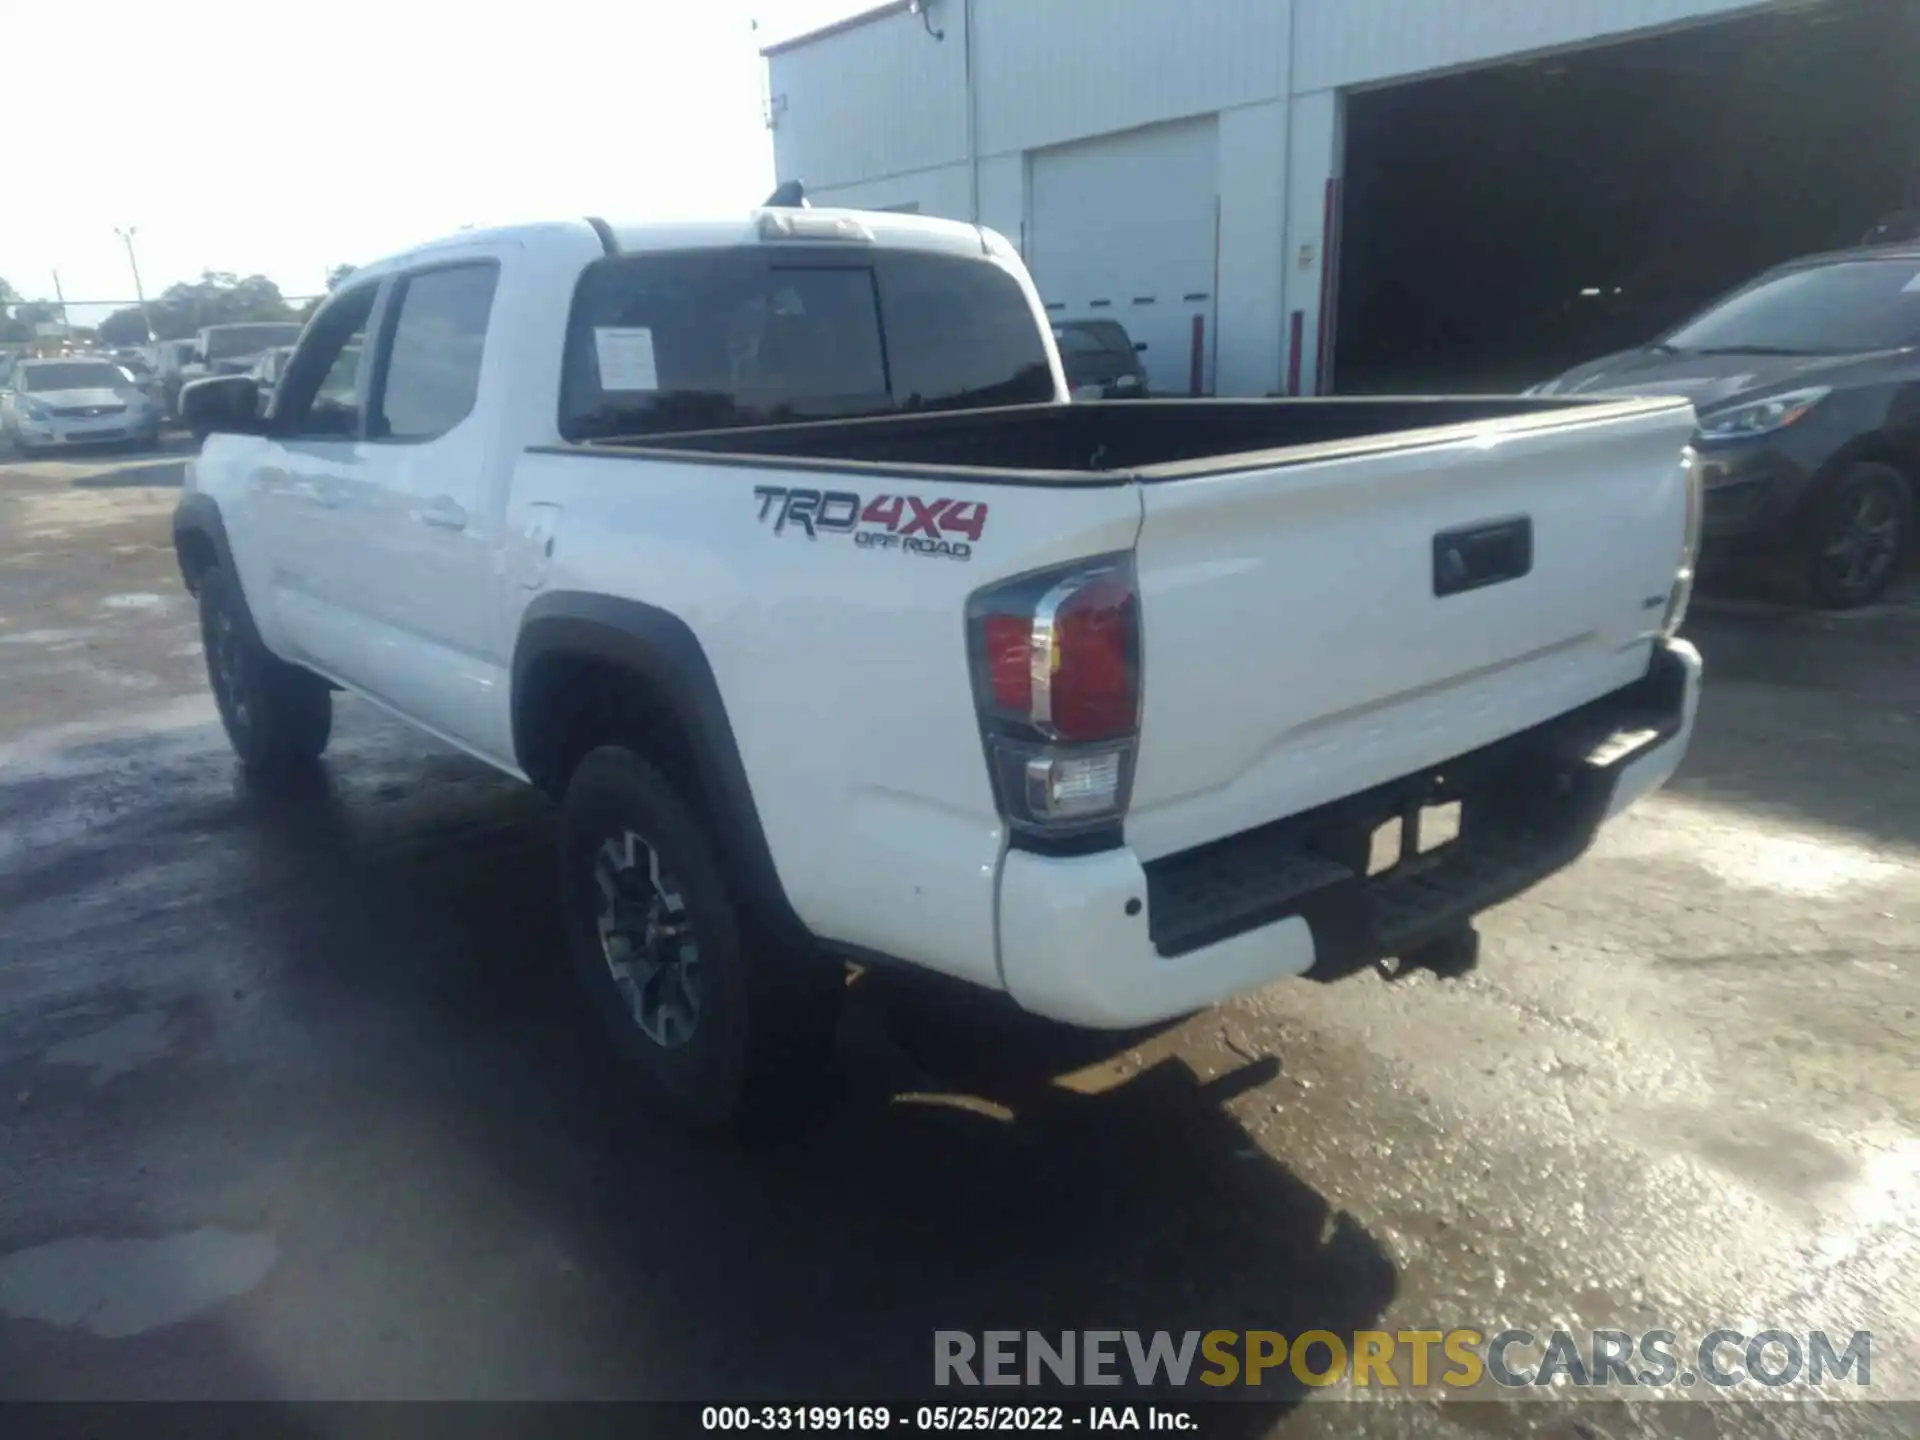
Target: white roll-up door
<point>1123,228</point>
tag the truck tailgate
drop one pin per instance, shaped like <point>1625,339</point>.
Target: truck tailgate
<point>1317,626</point>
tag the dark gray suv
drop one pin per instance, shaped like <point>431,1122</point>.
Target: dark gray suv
<point>1807,384</point>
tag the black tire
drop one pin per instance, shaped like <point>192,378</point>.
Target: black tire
<point>714,1023</point>
<point>276,715</point>
<point>1861,529</point>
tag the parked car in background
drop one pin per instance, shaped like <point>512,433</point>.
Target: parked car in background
<point>1101,360</point>
<point>1807,386</point>
<point>233,349</point>
<point>135,364</point>
<point>169,359</point>
<point>267,371</point>
<point>79,400</point>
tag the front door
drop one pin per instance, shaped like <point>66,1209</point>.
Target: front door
<point>309,495</point>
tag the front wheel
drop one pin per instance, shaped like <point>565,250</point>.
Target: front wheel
<point>711,1020</point>
<point>1861,529</point>
<point>276,715</point>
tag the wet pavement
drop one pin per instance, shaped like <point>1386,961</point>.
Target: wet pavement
<point>295,1100</point>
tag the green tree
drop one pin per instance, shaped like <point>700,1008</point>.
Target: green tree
<point>30,314</point>
<point>124,327</point>
<point>218,297</point>
<point>11,327</point>
<point>336,277</point>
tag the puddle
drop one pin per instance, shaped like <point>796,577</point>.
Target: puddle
<point>1743,855</point>
<point>137,601</point>
<point>116,1288</point>
<point>122,1047</point>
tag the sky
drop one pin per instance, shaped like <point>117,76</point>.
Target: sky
<point>285,139</point>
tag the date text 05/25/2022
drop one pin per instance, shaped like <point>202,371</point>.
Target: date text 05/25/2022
<point>944,1418</point>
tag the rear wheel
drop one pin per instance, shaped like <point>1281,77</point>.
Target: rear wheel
<point>276,715</point>
<point>712,1021</point>
<point>1860,530</point>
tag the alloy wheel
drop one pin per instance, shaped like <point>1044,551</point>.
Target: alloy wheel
<point>647,939</point>
<point>1862,540</point>
<point>229,666</point>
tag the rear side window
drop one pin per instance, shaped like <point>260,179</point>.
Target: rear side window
<point>433,365</point>
<point>763,335</point>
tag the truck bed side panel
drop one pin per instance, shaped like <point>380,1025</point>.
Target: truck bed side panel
<point>842,664</point>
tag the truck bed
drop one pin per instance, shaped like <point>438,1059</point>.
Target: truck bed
<point>1135,439</point>
<point>1335,593</point>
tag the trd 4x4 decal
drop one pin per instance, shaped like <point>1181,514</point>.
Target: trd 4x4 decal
<point>886,522</point>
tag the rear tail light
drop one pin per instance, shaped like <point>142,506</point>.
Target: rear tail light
<point>1682,593</point>
<point>1056,673</point>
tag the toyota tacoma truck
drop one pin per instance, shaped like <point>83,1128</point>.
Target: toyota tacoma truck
<point>774,550</point>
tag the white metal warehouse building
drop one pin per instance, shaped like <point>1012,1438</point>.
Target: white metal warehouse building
<point>1177,164</point>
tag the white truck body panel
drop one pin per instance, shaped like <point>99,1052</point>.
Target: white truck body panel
<point>1310,584</point>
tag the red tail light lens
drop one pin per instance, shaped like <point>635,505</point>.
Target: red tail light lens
<point>1094,692</point>
<point>1009,642</point>
<point>1056,665</point>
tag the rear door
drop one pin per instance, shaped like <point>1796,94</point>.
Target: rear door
<point>429,540</point>
<point>1317,627</point>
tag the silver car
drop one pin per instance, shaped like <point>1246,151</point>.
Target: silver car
<point>78,400</point>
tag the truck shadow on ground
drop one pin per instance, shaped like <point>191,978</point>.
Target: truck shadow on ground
<point>947,1184</point>
<point>167,473</point>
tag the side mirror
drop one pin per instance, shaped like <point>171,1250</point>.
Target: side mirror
<point>228,403</point>
<point>1140,346</point>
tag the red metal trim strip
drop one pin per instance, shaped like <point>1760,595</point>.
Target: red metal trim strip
<point>1329,283</point>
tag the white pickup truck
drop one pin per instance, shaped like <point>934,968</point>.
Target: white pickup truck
<point>773,550</point>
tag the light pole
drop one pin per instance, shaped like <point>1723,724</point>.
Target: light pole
<point>126,238</point>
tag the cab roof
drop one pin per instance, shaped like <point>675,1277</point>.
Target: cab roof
<point>888,229</point>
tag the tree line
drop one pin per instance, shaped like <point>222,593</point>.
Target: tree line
<point>218,297</point>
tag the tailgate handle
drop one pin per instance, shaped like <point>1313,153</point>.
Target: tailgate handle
<point>1489,552</point>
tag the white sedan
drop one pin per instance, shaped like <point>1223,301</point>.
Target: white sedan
<point>76,401</point>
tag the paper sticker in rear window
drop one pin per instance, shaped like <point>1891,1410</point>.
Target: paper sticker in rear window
<point>625,356</point>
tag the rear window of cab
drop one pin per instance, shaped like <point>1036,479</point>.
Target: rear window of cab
<point>762,335</point>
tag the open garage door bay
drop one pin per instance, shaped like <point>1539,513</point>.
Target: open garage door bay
<point>1123,228</point>
<point>1504,223</point>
